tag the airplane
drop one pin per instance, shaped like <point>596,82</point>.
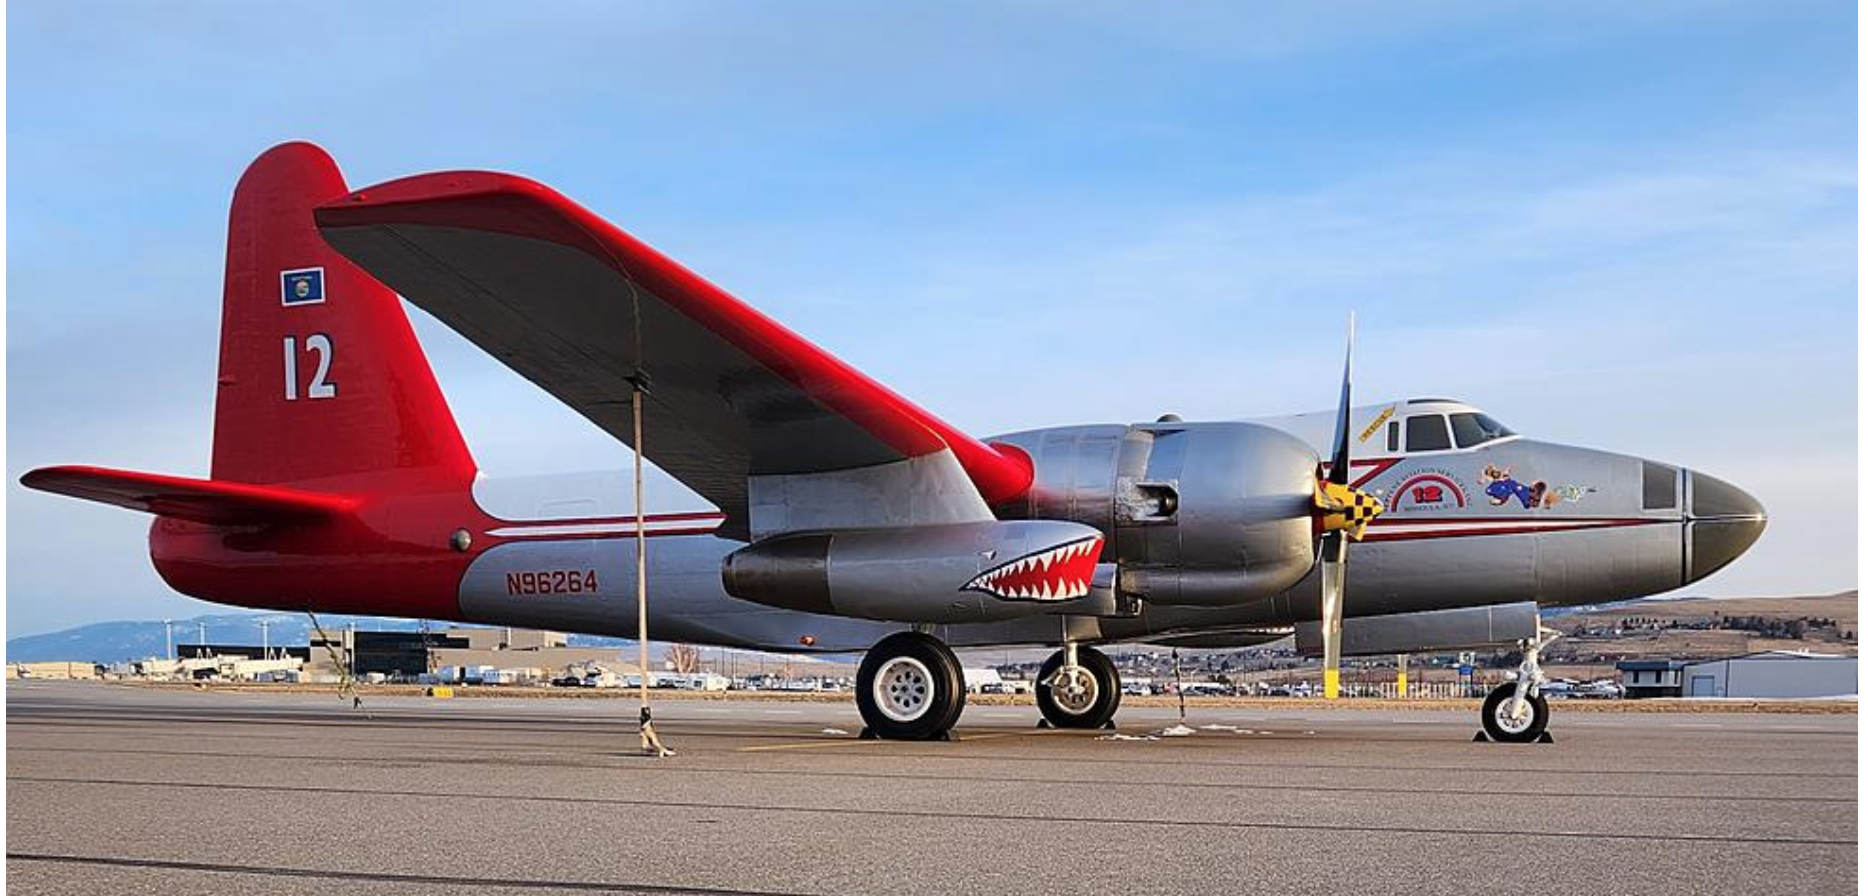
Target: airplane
<point>844,517</point>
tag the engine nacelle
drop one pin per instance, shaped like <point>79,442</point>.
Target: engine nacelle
<point>958,572</point>
<point>1198,514</point>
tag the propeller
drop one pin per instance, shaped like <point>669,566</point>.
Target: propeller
<point>1344,513</point>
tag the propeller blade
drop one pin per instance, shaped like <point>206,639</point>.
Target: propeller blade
<point>1350,512</point>
<point>1335,552</point>
<point>1339,453</point>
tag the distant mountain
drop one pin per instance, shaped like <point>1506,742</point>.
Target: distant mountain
<point>124,640</point>
<point>1840,606</point>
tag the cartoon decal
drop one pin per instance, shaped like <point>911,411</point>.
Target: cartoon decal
<point>1430,489</point>
<point>1500,486</point>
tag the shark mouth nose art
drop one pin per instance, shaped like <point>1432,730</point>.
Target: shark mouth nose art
<point>1059,573</point>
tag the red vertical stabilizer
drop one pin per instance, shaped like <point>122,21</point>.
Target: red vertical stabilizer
<point>320,373</point>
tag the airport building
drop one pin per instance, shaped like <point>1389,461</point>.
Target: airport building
<point>270,651</point>
<point>1770,674</point>
<point>51,671</point>
<point>1773,674</point>
<point>1650,678</point>
<point>510,656</point>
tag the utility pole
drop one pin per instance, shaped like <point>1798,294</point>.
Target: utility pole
<point>168,639</point>
<point>265,639</point>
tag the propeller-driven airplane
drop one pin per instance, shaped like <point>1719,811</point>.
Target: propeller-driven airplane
<point>847,517</point>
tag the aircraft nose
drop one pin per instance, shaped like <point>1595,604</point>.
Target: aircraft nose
<point>1723,523</point>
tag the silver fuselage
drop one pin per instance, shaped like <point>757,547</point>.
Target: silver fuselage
<point>1508,521</point>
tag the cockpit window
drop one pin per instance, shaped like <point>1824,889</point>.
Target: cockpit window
<point>1427,432</point>
<point>1471,429</point>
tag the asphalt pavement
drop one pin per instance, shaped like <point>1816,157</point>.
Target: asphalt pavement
<point>121,789</point>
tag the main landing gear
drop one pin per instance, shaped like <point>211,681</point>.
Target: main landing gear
<point>1516,712</point>
<point>1078,688</point>
<point>910,687</point>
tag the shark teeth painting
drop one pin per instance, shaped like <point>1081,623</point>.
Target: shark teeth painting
<point>1059,573</point>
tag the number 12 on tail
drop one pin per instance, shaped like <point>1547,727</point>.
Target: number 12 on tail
<point>320,386</point>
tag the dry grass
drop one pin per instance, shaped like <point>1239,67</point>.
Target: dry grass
<point>1798,707</point>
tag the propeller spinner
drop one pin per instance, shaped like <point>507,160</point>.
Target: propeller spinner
<point>1343,513</point>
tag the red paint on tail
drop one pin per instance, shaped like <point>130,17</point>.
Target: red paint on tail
<point>339,475</point>
<point>320,373</point>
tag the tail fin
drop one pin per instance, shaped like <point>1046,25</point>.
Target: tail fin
<point>320,374</point>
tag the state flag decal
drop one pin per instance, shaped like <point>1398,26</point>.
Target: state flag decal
<point>304,286</point>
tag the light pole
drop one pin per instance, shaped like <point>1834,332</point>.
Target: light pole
<point>168,639</point>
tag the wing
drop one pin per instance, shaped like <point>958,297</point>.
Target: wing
<point>579,307</point>
<point>200,500</point>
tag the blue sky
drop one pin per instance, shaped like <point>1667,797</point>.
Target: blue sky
<point>1630,226</point>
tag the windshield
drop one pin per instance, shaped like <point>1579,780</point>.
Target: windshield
<point>1471,429</point>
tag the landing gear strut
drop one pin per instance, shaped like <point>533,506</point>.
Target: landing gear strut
<point>1078,688</point>
<point>1516,712</point>
<point>910,687</point>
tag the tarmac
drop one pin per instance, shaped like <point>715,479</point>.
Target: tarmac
<point>119,789</point>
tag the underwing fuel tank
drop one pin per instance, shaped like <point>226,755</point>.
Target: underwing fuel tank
<point>962,572</point>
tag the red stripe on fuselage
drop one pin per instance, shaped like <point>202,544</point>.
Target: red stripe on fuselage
<point>1461,530</point>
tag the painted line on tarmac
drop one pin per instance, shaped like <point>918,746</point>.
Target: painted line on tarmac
<point>454,882</point>
<point>1003,817</point>
<point>840,742</point>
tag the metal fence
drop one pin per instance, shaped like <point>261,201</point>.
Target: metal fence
<point>1425,690</point>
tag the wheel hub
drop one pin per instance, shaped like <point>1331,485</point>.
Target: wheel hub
<point>904,689</point>
<point>1514,722</point>
<point>1074,690</point>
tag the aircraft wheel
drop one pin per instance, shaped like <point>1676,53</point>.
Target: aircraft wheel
<point>1083,696</point>
<point>1501,726</point>
<point>910,687</point>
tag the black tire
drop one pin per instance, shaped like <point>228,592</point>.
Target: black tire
<point>1101,709</point>
<point>1500,696</point>
<point>937,697</point>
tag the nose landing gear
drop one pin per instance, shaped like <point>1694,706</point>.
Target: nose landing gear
<point>1516,712</point>
<point>1078,688</point>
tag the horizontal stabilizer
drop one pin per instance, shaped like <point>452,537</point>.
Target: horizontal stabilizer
<point>199,500</point>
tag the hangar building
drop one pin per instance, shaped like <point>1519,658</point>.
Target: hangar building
<point>1772,673</point>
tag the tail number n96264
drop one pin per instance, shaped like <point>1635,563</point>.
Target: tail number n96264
<point>552,581</point>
